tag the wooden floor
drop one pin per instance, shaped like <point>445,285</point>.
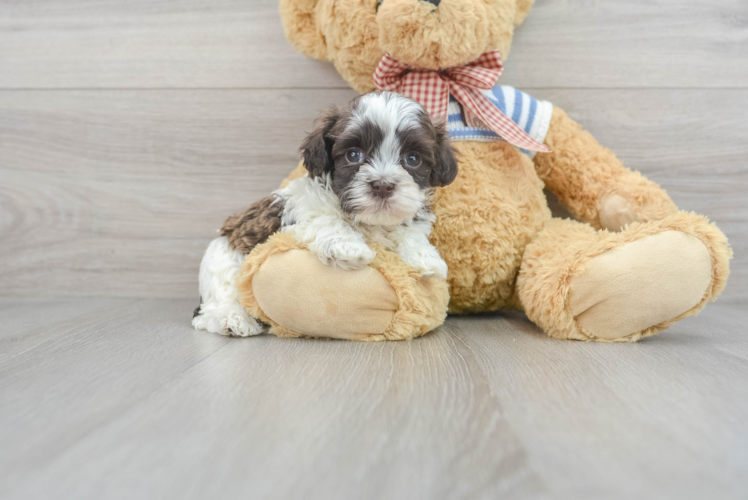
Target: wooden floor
<point>129,130</point>
<point>121,398</point>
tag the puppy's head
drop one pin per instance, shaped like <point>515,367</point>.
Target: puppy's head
<point>383,155</point>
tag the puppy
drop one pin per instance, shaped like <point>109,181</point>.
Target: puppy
<point>372,168</point>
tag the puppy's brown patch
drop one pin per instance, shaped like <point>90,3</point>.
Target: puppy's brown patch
<point>260,221</point>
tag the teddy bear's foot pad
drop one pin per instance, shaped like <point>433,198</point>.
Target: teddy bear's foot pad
<point>640,284</point>
<point>296,290</point>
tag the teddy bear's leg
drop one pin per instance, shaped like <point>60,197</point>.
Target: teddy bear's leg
<point>578,283</point>
<point>289,288</point>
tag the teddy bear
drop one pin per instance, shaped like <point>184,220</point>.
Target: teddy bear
<point>627,266</point>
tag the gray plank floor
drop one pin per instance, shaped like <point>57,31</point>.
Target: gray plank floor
<point>120,398</point>
<point>129,130</point>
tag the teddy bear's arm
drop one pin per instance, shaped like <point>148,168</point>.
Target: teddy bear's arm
<point>592,183</point>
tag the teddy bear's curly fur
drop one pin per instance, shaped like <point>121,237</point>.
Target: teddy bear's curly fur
<point>628,267</point>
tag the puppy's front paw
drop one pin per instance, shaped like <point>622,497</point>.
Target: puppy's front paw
<point>429,263</point>
<point>435,268</point>
<point>347,255</point>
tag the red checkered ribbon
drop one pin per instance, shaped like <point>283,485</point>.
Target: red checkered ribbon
<point>432,89</point>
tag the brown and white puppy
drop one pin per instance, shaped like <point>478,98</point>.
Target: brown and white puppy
<point>372,168</point>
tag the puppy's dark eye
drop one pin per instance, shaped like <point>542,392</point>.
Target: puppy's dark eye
<point>354,155</point>
<point>412,159</point>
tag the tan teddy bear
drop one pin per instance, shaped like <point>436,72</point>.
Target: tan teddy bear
<point>627,268</point>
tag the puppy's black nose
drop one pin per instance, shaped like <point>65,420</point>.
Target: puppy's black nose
<point>435,3</point>
<point>382,189</point>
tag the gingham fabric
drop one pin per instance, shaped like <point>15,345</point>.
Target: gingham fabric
<point>466,84</point>
<point>532,115</point>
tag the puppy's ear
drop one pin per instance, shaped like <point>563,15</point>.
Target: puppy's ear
<point>445,168</point>
<point>316,150</point>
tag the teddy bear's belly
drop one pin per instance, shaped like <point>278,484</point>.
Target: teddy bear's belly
<point>485,219</point>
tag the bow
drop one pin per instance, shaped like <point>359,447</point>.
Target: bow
<point>466,83</point>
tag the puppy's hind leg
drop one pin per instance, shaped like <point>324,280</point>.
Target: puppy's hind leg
<point>220,311</point>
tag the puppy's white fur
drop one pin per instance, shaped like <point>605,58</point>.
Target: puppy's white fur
<point>220,310</point>
<point>312,215</point>
<point>387,109</point>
